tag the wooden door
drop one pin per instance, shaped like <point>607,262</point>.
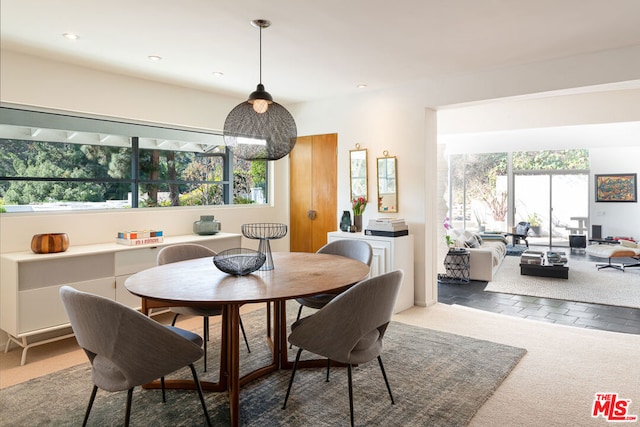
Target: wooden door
<point>313,176</point>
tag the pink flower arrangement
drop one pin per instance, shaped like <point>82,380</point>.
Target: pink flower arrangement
<point>447,226</point>
<point>358,205</point>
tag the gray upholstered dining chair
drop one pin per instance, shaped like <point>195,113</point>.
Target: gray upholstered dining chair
<point>183,252</point>
<point>350,248</point>
<point>126,348</point>
<point>350,328</point>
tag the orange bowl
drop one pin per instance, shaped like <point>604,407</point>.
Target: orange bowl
<point>49,243</point>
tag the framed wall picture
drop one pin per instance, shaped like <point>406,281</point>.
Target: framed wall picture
<point>620,187</point>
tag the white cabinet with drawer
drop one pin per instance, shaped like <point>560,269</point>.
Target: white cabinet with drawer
<point>29,283</point>
<point>389,253</point>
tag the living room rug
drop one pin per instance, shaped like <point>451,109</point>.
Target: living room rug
<point>585,284</point>
<point>516,250</point>
<point>437,378</point>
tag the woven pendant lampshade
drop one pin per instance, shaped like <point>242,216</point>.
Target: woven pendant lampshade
<point>260,129</point>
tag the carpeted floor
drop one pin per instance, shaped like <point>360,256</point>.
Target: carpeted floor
<point>438,379</point>
<point>585,284</point>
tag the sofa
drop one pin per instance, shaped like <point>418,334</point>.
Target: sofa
<point>486,252</point>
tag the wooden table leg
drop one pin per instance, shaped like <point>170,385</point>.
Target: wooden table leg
<point>280,333</point>
<point>232,314</point>
<point>144,307</point>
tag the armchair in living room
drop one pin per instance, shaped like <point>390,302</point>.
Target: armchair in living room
<point>520,233</point>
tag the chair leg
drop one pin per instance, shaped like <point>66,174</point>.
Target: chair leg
<point>164,397</point>
<point>244,334</point>
<point>91,399</point>
<point>297,318</point>
<point>293,374</point>
<point>127,416</point>
<point>610,265</point>
<point>328,369</point>
<point>173,322</point>
<point>350,393</point>
<point>299,312</point>
<point>200,394</point>
<point>384,374</point>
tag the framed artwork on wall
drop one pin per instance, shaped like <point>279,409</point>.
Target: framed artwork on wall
<point>620,187</point>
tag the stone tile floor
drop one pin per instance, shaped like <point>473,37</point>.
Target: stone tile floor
<point>578,314</point>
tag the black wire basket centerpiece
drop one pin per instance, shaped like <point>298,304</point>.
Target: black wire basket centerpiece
<point>239,261</point>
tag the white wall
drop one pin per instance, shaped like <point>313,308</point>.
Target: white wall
<point>380,121</point>
<point>550,111</point>
<point>617,219</point>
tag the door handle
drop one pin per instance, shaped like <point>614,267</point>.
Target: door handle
<point>311,214</point>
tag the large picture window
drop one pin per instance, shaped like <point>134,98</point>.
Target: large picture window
<point>547,189</point>
<point>56,162</point>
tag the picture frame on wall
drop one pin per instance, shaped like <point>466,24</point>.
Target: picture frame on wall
<point>619,187</point>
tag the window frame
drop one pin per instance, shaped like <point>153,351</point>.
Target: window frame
<point>198,141</point>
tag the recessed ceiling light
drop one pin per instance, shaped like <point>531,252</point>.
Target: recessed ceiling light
<point>218,73</point>
<point>70,36</point>
<point>154,57</point>
<point>361,86</point>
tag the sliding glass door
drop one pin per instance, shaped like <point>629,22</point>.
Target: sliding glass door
<point>570,207</point>
<point>555,204</point>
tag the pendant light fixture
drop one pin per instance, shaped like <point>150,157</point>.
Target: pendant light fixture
<point>259,128</point>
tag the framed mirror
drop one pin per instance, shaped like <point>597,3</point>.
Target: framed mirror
<point>387,184</point>
<point>358,172</point>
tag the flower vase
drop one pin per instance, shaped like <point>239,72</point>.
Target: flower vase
<point>345,222</point>
<point>357,223</point>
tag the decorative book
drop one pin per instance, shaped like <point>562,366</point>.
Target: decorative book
<point>135,238</point>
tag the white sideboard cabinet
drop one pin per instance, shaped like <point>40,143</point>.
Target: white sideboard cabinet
<point>389,253</point>
<point>29,303</point>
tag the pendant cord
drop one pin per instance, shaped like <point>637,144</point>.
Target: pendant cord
<point>260,55</point>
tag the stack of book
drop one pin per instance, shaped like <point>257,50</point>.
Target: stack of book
<point>144,237</point>
<point>531,257</point>
<point>387,227</point>
<point>557,258</point>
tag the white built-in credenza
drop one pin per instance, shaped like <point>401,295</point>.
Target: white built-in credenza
<point>389,253</point>
<point>29,303</point>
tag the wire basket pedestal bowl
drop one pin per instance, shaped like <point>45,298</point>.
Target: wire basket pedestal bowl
<point>265,232</point>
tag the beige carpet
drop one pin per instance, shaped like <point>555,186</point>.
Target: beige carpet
<point>585,284</point>
<point>553,385</point>
<point>555,382</point>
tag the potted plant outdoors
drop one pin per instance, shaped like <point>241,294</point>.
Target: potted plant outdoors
<point>535,222</point>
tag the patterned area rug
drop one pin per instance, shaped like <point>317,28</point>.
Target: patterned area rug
<point>438,379</point>
<point>585,284</point>
<point>516,250</point>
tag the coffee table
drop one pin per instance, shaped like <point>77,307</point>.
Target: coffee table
<point>557,271</point>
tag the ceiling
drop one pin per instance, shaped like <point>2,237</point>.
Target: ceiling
<point>317,49</point>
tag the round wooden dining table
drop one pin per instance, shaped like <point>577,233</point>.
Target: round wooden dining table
<point>199,283</point>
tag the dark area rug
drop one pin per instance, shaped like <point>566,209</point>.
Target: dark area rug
<point>438,379</point>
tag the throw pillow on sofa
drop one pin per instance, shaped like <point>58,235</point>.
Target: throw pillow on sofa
<point>472,242</point>
<point>628,243</point>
